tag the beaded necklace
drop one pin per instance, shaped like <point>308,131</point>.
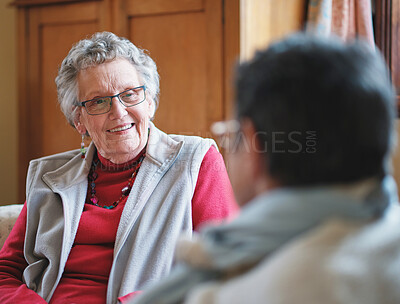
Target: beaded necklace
<point>124,192</point>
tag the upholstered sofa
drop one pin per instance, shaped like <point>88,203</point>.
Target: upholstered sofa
<point>8,216</point>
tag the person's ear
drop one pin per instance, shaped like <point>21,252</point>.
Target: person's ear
<point>79,126</point>
<point>257,156</point>
<point>249,133</point>
<point>151,107</point>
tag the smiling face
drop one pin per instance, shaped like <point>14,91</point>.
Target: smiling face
<point>121,134</point>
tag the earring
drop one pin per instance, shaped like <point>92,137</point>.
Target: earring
<point>83,149</point>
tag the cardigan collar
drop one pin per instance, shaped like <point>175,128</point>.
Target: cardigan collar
<point>161,151</point>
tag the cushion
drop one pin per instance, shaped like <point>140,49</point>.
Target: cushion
<point>8,216</point>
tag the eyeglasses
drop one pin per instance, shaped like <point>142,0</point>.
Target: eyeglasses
<point>102,105</point>
<point>226,133</point>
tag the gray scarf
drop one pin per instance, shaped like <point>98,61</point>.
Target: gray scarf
<point>264,225</point>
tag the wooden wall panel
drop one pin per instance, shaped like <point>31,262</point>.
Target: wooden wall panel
<point>49,33</point>
<point>181,60</point>
<point>387,38</point>
<point>55,42</point>
<point>187,48</point>
<point>231,52</point>
<point>140,7</point>
<point>395,48</point>
<point>262,22</point>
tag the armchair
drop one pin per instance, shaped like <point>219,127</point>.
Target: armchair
<point>8,217</point>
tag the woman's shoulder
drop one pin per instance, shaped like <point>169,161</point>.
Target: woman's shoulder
<point>67,155</point>
<point>191,139</point>
<point>196,147</point>
<point>55,160</point>
<point>189,145</point>
<point>52,163</point>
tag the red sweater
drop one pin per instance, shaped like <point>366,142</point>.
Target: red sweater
<point>89,263</point>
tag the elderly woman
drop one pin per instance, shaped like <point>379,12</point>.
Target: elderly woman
<point>100,224</point>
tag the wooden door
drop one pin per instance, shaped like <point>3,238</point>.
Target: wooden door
<point>46,35</point>
<point>185,38</point>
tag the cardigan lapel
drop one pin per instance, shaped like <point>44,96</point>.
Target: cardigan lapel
<point>70,182</point>
<point>72,173</point>
<point>161,153</point>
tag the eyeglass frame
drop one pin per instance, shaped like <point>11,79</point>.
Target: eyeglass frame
<point>223,130</point>
<point>222,127</point>
<point>82,104</point>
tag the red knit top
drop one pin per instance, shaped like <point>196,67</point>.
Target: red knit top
<point>89,263</point>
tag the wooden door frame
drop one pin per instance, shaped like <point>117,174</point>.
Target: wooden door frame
<point>231,51</point>
<point>386,30</point>
<point>382,26</point>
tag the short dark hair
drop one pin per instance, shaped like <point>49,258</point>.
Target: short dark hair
<point>323,110</point>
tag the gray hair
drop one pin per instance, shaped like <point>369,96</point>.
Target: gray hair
<point>99,48</point>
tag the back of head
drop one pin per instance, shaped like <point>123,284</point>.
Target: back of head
<point>323,110</point>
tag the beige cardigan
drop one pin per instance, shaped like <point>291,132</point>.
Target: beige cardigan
<point>339,262</point>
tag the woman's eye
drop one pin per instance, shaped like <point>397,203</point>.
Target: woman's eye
<point>130,94</point>
<point>100,101</point>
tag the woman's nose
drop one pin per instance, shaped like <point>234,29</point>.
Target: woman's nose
<point>117,110</point>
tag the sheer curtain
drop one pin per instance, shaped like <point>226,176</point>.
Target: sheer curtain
<point>347,19</point>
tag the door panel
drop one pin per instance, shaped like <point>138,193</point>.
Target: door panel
<point>151,7</point>
<point>57,134</point>
<point>186,43</point>
<point>50,32</point>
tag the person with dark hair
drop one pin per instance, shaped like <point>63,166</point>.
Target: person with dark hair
<point>309,160</point>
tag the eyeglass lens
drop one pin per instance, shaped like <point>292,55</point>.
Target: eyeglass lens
<point>128,98</point>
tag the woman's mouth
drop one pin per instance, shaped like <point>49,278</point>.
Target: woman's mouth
<point>123,128</point>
